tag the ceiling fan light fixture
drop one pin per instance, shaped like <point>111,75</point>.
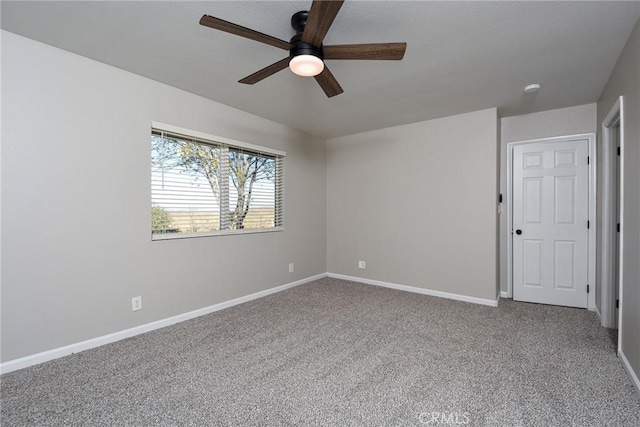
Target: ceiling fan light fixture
<point>306,65</point>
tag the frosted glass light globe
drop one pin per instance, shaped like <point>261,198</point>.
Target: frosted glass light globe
<point>306,65</point>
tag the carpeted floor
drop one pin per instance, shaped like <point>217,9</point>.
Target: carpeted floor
<point>339,353</point>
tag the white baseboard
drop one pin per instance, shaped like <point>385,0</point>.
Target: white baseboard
<point>45,356</point>
<point>458,297</point>
<point>629,369</point>
<point>595,308</point>
<point>504,294</point>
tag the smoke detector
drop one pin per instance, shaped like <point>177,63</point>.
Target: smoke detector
<point>532,88</point>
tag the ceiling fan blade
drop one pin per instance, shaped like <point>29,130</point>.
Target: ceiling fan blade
<point>321,16</point>
<point>266,72</point>
<point>238,30</point>
<point>375,51</point>
<point>328,83</point>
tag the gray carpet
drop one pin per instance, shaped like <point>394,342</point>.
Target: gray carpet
<point>339,353</point>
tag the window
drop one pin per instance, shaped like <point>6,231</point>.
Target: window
<point>203,185</point>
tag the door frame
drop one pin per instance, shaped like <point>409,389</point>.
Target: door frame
<point>591,250</point>
<point>608,289</point>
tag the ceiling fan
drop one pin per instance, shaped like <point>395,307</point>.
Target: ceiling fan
<point>306,51</point>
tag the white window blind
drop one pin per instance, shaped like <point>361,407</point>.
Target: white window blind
<point>202,187</point>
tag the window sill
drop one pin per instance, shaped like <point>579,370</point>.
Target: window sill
<point>174,236</point>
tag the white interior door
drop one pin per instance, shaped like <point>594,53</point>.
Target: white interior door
<point>550,213</point>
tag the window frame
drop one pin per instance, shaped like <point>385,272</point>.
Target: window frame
<point>229,143</point>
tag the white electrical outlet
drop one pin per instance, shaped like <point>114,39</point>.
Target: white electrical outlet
<point>136,303</point>
<point>291,268</point>
<point>362,264</point>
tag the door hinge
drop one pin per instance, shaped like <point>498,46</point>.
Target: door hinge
<point>618,151</point>
<point>617,303</point>
<point>588,159</point>
<point>618,227</point>
<point>588,224</point>
<point>587,288</point>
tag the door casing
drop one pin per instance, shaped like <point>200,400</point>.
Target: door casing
<point>607,301</point>
<point>591,261</point>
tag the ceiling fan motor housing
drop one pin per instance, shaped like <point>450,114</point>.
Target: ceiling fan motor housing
<point>302,48</point>
<point>298,22</point>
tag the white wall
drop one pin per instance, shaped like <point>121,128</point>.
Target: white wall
<point>625,81</point>
<point>560,122</point>
<point>76,203</point>
<point>418,203</point>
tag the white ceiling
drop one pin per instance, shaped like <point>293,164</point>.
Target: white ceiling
<point>461,56</point>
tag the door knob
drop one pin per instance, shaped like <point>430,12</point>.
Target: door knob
<point>518,232</point>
